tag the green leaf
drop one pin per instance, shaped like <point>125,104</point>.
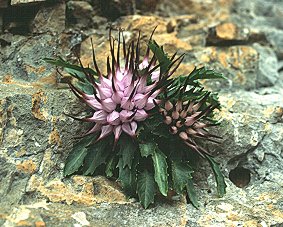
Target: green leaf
<point>128,177</point>
<point>70,68</point>
<point>192,193</point>
<point>97,155</point>
<point>181,173</point>
<point>162,57</point>
<point>76,157</point>
<point>85,87</point>
<point>77,74</point>
<point>221,185</point>
<point>147,149</point>
<point>127,150</point>
<point>152,122</point>
<point>76,71</point>
<point>110,166</point>
<point>145,188</point>
<point>160,171</point>
<point>213,100</point>
<point>162,130</point>
<point>203,73</point>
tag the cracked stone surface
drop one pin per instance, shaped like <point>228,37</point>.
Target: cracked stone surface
<point>241,39</point>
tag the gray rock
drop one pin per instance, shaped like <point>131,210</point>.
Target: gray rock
<point>252,123</point>
<point>50,18</point>
<point>265,17</point>
<point>23,57</point>
<point>102,215</point>
<point>80,13</point>
<point>275,37</point>
<point>239,64</point>
<point>267,74</point>
<point>251,206</point>
<point>36,137</point>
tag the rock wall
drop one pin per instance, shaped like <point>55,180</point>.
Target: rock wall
<point>241,39</point>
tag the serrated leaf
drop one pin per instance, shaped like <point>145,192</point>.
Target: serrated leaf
<point>77,156</point>
<point>160,171</point>
<point>97,155</point>
<point>147,149</point>
<point>161,56</point>
<point>127,150</point>
<point>181,173</point>
<point>192,193</point>
<point>221,185</point>
<point>127,177</point>
<point>145,188</point>
<point>203,73</point>
<point>213,100</point>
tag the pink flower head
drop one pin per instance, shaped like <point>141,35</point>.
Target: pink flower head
<point>124,96</point>
<point>127,93</point>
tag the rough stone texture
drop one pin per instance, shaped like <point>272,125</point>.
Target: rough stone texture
<point>263,17</point>
<point>104,214</point>
<point>50,18</point>
<point>252,128</point>
<point>81,13</point>
<point>18,2</point>
<point>267,68</point>
<point>241,39</point>
<point>259,205</point>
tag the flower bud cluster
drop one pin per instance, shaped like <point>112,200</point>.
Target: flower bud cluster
<point>185,120</point>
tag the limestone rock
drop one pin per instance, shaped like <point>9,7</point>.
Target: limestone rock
<point>211,10</point>
<point>146,24</point>
<point>50,18</point>
<point>18,2</point>
<point>258,205</point>
<point>265,17</point>
<point>226,31</point>
<point>54,214</point>
<point>267,66</point>
<point>274,36</point>
<point>226,34</point>
<point>241,39</point>
<point>79,190</point>
<point>23,57</point>
<point>239,64</point>
<point>80,12</point>
<point>252,119</point>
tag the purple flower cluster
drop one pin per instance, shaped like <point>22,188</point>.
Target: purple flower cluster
<point>122,98</point>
